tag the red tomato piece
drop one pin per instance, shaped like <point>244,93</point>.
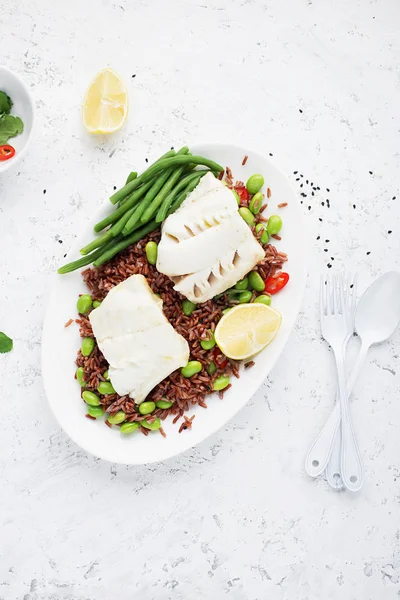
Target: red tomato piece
<point>242,192</point>
<point>220,359</point>
<point>6,152</point>
<point>277,282</point>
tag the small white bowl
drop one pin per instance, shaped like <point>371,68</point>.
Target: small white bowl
<point>24,108</point>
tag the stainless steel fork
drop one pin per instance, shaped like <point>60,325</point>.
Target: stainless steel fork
<point>337,313</point>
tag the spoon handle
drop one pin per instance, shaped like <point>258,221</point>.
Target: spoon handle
<point>334,469</point>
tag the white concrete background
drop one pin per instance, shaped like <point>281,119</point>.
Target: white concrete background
<point>235,517</point>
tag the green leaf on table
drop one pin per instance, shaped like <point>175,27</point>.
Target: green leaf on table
<point>6,343</point>
<point>9,127</point>
<point>5,103</point>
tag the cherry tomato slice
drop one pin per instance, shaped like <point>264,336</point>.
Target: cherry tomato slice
<point>275,283</point>
<point>6,152</point>
<point>242,192</point>
<point>220,359</point>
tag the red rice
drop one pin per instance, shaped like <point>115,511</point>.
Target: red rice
<point>68,323</point>
<point>244,161</point>
<point>282,205</point>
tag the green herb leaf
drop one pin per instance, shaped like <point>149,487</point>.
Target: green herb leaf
<point>6,343</point>
<point>9,127</point>
<point>5,103</point>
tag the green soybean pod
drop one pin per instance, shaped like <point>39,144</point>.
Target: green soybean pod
<point>245,297</point>
<point>209,343</point>
<point>221,383</point>
<point>105,388</point>
<point>118,418</point>
<point>151,253</point>
<point>243,284</point>
<point>212,367</point>
<point>263,299</point>
<point>264,239</point>
<point>255,183</point>
<point>156,424</point>
<point>188,307</point>
<point>163,404</point>
<point>247,215</point>
<point>145,408</point>
<point>84,304</point>
<point>193,367</point>
<point>87,346</point>
<point>256,282</point>
<point>91,398</point>
<point>106,375</point>
<point>96,303</point>
<point>256,203</point>
<point>95,411</point>
<point>129,427</point>
<point>79,376</point>
<point>274,224</point>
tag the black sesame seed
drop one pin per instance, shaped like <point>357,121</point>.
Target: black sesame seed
<point>318,188</point>
<point>312,194</point>
<point>307,181</point>
<point>297,178</point>
<point>301,185</point>
<point>311,184</point>
<point>352,285</point>
<point>318,237</point>
<point>390,231</point>
<point>44,191</point>
<point>354,205</point>
<point>295,172</point>
<point>301,201</point>
<point>328,190</point>
<point>329,266</point>
<point>320,219</point>
<point>309,207</point>
<point>301,175</point>
<point>322,203</point>
<point>172,147</point>
<point>114,187</point>
<point>133,76</point>
<point>270,154</point>
<point>60,241</point>
<point>327,241</point>
<point>325,249</point>
<point>300,111</point>
<point>332,258</point>
<point>65,256</point>
<point>368,253</point>
<point>146,160</point>
<point>394,198</point>
<point>370,172</point>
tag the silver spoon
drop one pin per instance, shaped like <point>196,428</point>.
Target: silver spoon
<point>377,316</point>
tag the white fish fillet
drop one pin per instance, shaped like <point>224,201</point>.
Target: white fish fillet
<point>206,247</point>
<point>140,345</point>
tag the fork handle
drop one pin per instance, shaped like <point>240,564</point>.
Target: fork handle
<point>321,450</point>
<point>333,469</point>
<point>351,466</point>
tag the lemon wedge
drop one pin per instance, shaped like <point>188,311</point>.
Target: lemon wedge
<point>246,329</point>
<point>105,105</point>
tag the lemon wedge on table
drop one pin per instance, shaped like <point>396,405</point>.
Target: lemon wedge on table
<point>246,329</point>
<point>105,105</point>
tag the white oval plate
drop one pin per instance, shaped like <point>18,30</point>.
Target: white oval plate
<point>58,367</point>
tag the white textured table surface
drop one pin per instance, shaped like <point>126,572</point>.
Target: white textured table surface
<point>317,85</point>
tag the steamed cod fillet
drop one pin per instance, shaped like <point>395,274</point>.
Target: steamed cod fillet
<point>206,247</point>
<point>140,345</point>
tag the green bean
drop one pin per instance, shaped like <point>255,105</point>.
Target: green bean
<point>131,184</point>
<point>221,383</point>
<point>209,343</point>
<point>79,376</point>
<point>105,388</point>
<point>264,239</point>
<point>129,427</point>
<point>161,165</point>
<point>263,299</point>
<point>85,260</point>
<point>245,297</point>
<point>247,215</point>
<point>256,203</point>
<point>255,183</point>
<point>193,367</point>
<point>95,411</point>
<point>274,224</point>
<point>106,375</point>
<point>167,187</point>
<point>96,303</point>
<point>243,284</point>
<point>87,346</point>
<point>188,307</point>
<point>212,367</point>
<point>84,304</point>
<point>130,202</point>
<point>118,418</point>
<point>91,398</point>
<point>120,245</point>
<point>147,407</point>
<point>151,253</point>
<point>132,175</point>
<point>147,200</point>
<point>256,281</point>
<point>164,404</point>
<point>97,242</point>
<point>236,196</point>
<point>153,426</point>
<point>175,194</point>
<point>117,228</point>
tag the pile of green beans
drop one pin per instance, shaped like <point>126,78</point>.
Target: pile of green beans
<point>144,202</point>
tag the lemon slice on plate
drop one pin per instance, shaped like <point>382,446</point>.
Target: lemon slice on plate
<point>246,329</point>
<point>105,105</point>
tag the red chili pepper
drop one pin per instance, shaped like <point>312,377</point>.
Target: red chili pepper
<point>242,192</point>
<point>6,152</point>
<point>275,283</point>
<point>220,359</point>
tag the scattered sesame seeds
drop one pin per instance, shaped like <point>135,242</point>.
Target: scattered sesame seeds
<point>146,160</point>
<point>368,253</point>
<point>394,198</point>
<point>332,258</point>
<point>44,191</point>
<point>114,187</point>
<point>318,237</point>
<point>309,207</point>
<point>295,172</point>
<point>329,266</point>
<point>133,75</point>
<point>60,242</point>
<point>312,194</point>
<point>322,203</point>
<point>328,190</point>
<point>300,111</point>
<point>65,256</point>
<point>354,206</point>
<point>297,178</point>
<point>301,175</point>
<point>172,147</point>
<point>325,249</point>
<point>270,154</point>
<point>301,185</point>
<point>307,181</point>
<point>320,219</point>
<point>390,231</point>
<point>370,172</point>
